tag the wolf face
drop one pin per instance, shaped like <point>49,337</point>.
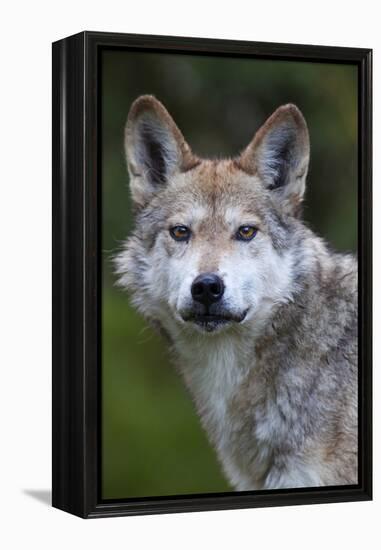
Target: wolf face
<point>212,246</point>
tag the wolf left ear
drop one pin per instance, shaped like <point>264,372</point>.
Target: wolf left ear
<point>155,148</point>
<point>279,155</point>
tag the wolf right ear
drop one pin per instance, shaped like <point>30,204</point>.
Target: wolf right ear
<point>279,155</point>
<point>155,148</point>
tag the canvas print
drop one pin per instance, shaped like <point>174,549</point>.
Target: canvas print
<point>229,301</point>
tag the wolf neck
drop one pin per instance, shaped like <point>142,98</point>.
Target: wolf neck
<point>213,369</point>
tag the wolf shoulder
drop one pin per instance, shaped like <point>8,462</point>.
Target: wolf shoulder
<point>320,327</point>
<point>342,294</point>
<point>340,290</point>
<point>333,312</point>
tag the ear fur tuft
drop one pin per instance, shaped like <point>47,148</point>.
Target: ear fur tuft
<point>279,155</point>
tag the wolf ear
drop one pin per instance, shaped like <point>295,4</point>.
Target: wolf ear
<point>155,148</point>
<point>279,154</point>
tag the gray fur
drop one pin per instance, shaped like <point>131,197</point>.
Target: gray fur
<point>277,392</point>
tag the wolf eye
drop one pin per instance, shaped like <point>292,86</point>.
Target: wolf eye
<point>180,233</point>
<point>246,232</point>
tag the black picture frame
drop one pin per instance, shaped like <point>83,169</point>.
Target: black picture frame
<point>76,274</point>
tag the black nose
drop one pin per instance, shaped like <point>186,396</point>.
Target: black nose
<point>207,288</point>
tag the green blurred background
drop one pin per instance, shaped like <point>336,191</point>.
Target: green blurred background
<point>152,440</point>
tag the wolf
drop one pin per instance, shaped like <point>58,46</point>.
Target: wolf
<point>259,313</point>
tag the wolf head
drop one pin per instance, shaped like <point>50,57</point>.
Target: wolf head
<point>212,244</point>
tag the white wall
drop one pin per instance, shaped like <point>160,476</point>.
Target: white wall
<point>27,29</point>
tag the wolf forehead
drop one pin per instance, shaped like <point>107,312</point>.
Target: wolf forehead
<point>214,188</point>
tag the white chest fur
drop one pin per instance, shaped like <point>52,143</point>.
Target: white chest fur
<point>213,369</point>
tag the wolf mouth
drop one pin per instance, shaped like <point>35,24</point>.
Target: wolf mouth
<point>210,322</point>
